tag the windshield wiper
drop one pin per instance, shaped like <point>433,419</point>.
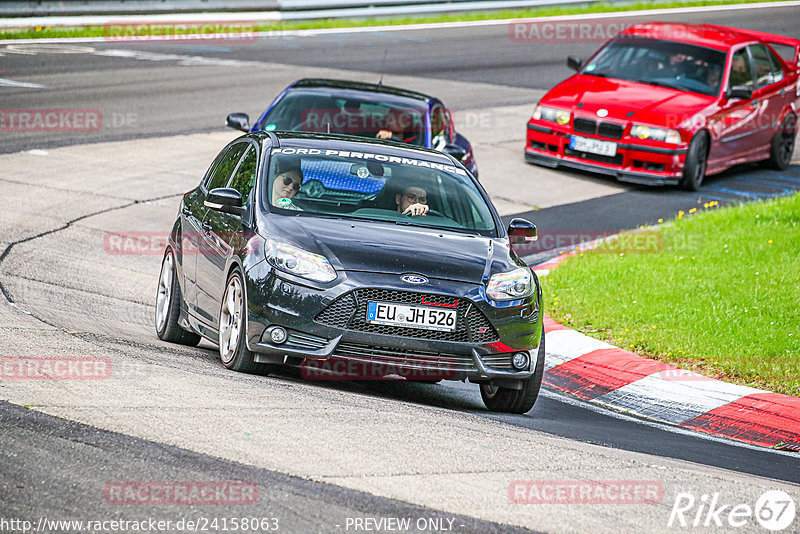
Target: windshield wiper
<point>659,84</point>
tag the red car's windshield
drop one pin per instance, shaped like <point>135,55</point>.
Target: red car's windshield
<point>664,63</point>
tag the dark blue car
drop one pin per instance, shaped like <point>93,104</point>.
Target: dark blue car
<point>365,110</point>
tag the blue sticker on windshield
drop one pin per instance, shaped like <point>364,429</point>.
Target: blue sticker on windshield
<point>270,127</point>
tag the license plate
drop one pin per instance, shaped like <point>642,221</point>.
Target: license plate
<point>424,317</point>
<point>584,144</point>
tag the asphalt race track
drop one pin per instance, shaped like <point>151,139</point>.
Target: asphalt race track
<point>324,456</point>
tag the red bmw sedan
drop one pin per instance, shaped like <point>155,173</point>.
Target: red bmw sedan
<point>665,103</point>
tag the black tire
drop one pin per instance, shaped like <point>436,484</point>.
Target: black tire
<point>782,148</point>
<point>507,400</point>
<point>694,169</point>
<point>167,327</point>
<point>236,356</point>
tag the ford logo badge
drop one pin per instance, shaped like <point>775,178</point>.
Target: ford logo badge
<point>414,279</point>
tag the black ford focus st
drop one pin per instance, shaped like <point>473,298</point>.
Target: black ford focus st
<point>353,259</point>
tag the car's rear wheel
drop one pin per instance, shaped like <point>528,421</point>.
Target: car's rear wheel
<point>502,399</point>
<point>694,168</point>
<point>782,148</point>
<point>168,305</point>
<point>233,350</point>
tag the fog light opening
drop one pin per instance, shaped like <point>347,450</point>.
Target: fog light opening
<point>521,361</point>
<point>278,334</point>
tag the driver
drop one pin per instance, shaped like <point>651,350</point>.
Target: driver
<point>412,201</point>
<point>285,187</point>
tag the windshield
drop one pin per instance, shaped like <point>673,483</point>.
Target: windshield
<point>663,63</point>
<point>377,187</point>
<point>366,116</point>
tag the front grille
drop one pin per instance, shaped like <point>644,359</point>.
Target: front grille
<point>604,129</point>
<point>428,361</point>
<point>350,312</point>
<point>339,313</point>
<point>610,130</point>
<point>586,126</point>
<point>500,362</point>
<point>305,341</point>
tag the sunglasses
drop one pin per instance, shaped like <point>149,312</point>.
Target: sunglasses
<point>287,181</point>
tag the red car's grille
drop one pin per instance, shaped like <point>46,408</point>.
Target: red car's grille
<point>605,129</point>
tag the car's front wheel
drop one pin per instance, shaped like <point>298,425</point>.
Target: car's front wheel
<point>168,305</point>
<point>233,350</point>
<point>694,168</point>
<point>508,400</point>
<point>782,147</point>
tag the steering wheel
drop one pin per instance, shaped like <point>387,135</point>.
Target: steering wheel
<point>432,212</point>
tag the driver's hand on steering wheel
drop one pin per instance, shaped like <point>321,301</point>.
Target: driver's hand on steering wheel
<point>385,134</point>
<point>416,209</point>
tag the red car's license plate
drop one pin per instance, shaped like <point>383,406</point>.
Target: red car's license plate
<point>595,146</point>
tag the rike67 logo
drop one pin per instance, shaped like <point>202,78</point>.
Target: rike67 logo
<point>774,511</point>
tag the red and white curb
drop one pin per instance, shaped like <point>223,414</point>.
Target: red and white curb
<point>603,374</point>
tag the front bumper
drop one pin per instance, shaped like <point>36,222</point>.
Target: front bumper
<point>328,338</point>
<point>635,162</point>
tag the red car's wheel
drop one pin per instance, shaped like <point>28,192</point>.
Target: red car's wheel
<point>780,154</point>
<point>694,169</point>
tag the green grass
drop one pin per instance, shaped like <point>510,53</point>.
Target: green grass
<point>722,297</point>
<point>601,7</point>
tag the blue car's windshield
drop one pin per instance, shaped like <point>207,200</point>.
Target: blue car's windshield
<point>368,115</point>
<point>375,186</point>
<point>663,63</point>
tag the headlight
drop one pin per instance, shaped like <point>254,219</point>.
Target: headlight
<point>551,114</point>
<point>516,284</point>
<point>642,131</point>
<point>299,262</point>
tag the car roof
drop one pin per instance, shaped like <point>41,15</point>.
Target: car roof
<point>706,35</point>
<point>354,143</point>
<point>327,83</point>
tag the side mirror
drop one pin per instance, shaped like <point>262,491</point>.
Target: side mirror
<point>521,232</point>
<point>238,121</point>
<point>574,62</point>
<point>456,151</point>
<point>226,200</point>
<point>740,91</point>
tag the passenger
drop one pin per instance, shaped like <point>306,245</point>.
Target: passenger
<point>286,185</point>
<point>412,201</point>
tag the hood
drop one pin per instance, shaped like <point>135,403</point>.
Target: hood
<point>353,245</point>
<point>626,101</point>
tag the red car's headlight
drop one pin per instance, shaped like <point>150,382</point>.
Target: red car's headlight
<point>643,131</point>
<point>558,116</point>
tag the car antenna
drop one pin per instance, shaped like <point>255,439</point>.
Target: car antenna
<point>383,67</point>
